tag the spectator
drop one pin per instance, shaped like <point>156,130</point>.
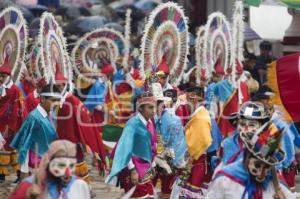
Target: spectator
<point>263,60</point>
<point>249,65</point>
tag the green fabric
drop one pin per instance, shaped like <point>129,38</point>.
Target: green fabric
<point>292,4</point>
<point>253,2</point>
<point>111,133</point>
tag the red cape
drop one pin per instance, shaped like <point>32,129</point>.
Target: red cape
<point>12,109</point>
<point>27,87</point>
<point>74,123</point>
<point>231,106</point>
<point>184,113</point>
<point>31,102</point>
<point>284,79</point>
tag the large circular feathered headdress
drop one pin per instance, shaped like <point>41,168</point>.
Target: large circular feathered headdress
<point>102,43</point>
<point>165,35</point>
<point>217,44</point>
<point>199,51</point>
<point>13,39</point>
<point>53,56</point>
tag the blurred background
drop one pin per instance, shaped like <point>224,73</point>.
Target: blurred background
<point>277,21</point>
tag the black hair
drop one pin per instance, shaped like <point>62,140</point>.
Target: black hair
<point>50,88</point>
<point>265,45</point>
<point>251,56</point>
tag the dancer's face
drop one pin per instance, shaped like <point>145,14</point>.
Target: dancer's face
<point>162,80</point>
<point>49,103</point>
<point>3,78</point>
<point>148,111</point>
<point>258,169</point>
<point>247,126</point>
<point>62,167</point>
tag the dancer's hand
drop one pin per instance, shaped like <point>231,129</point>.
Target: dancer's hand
<point>33,192</point>
<point>134,177</point>
<point>279,195</point>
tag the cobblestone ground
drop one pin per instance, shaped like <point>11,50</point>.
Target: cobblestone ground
<point>100,189</point>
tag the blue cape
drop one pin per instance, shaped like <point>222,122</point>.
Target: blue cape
<point>223,90</point>
<point>35,131</point>
<point>287,142</point>
<point>231,147</point>
<point>135,141</point>
<point>172,131</point>
<point>216,136</point>
<point>96,95</point>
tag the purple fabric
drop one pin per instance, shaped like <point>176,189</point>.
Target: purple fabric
<point>141,165</point>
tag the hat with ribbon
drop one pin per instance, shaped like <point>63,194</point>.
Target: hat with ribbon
<point>146,98</point>
<point>264,144</point>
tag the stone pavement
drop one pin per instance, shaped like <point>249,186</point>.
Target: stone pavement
<point>100,189</point>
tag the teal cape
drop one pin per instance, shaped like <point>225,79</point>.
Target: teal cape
<point>135,141</point>
<point>36,134</point>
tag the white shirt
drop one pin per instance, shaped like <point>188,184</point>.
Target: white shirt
<point>42,111</point>
<point>141,117</point>
<point>78,190</point>
<point>225,188</point>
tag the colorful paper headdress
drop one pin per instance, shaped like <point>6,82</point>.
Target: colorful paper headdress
<point>54,56</point>
<point>94,47</point>
<point>13,37</point>
<point>217,42</point>
<point>264,144</point>
<point>166,34</point>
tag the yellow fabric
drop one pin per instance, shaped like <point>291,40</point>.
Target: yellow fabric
<point>273,84</point>
<point>8,159</point>
<point>82,171</point>
<point>80,83</point>
<point>198,133</point>
<point>160,145</point>
<point>139,83</point>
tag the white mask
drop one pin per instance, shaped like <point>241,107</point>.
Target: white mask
<point>62,166</point>
<point>247,126</point>
<point>258,169</point>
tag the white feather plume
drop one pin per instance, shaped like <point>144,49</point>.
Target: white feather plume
<point>199,51</point>
<point>238,27</point>
<point>127,37</point>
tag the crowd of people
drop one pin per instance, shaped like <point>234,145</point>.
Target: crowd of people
<point>215,134</point>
